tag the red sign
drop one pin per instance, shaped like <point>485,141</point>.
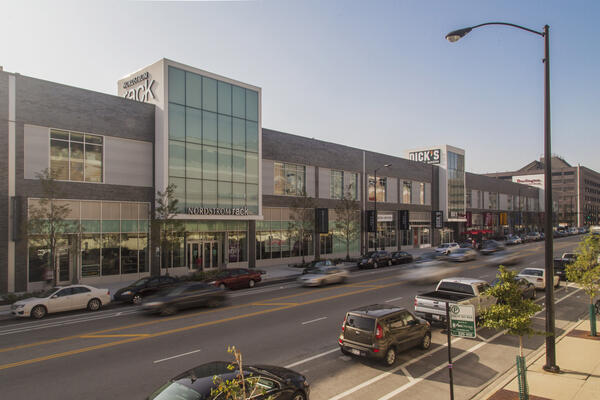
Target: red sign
<point>488,219</point>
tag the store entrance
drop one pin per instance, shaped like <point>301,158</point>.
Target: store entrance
<point>63,262</point>
<point>203,255</point>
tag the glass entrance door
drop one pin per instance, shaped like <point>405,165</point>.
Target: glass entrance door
<point>211,254</point>
<point>63,260</point>
<point>194,251</point>
<point>203,255</point>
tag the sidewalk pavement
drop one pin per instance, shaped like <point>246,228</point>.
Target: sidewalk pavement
<point>577,355</point>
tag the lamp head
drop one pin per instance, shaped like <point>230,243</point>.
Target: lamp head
<point>457,34</point>
<point>387,165</point>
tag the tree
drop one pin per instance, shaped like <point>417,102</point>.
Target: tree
<point>347,223</point>
<point>170,229</point>
<point>302,223</point>
<point>46,220</point>
<point>242,387</point>
<point>586,272</point>
<point>513,313</point>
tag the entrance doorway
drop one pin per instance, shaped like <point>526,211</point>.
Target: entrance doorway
<point>63,261</point>
<point>203,255</point>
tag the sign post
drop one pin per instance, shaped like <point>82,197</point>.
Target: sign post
<point>449,351</point>
<point>460,321</point>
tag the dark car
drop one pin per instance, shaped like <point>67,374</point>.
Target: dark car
<point>527,288</point>
<point>235,278</point>
<point>196,383</point>
<point>317,265</point>
<point>401,257</point>
<point>560,265</point>
<point>144,287</point>
<point>186,295</point>
<point>375,259</point>
<point>382,331</point>
<point>491,246</point>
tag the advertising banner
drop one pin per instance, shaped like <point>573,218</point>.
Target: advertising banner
<point>437,219</point>
<point>370,220</point>
<point>403,220</point>
<point>322,220</point>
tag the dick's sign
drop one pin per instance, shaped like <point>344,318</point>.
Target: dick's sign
<point>426,156</point>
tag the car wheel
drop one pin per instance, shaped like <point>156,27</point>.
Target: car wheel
<point>389,263</point>
<point>94,305</point>
<point>390,357</point>
<point>375,265</point>
<point>298,396</point>
<point>251,283</point>
<point>168,310</point>
<point>426,343</point>
<point>137,299</point>
<point>38,312</point>
<point>222,286</point>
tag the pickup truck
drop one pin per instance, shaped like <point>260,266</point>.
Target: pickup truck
<point>431,306</point>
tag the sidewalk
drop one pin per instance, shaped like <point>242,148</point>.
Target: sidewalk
<point>577,355</point>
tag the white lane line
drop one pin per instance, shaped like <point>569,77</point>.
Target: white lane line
<point>312,358</point>
<point>67,317</point>
<point>407,374</point>
<point>177,356</point>
<point>313,320</point>
<point>390,300</point>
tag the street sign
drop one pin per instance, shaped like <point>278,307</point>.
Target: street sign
<point>462,321</point>
<point>437,219</point>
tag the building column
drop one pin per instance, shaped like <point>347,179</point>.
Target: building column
<point>251,244</point>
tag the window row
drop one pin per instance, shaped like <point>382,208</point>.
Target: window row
<point>193,90</point>
<point>213,194</point>
<point>208,128</point>
<point>76,156</point>
<point>290,179</point>
<point>343,184</point>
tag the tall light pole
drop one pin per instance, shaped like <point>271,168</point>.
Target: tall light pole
<point>549,267</point>
<point>375,199</point>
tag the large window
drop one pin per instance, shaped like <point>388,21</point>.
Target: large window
<point>290,179</point>
<point>275,237</point>
<point>493,200</point>
<point>381,188</point>
<point>213,142</point>
<point>456,185</point>
<point>76,156</point>
<point>406,192</point>
<point>337,184</point>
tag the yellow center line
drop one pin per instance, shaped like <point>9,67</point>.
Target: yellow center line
<point>273,304</point>
<point>113,336</point>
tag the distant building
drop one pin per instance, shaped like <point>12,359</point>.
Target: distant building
<point>575,189</point>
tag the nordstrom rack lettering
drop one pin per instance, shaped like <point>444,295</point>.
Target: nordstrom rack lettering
<point>142,92</point>
<point>217,211</point>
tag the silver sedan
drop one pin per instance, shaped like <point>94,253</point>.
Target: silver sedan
<point>324,276</point>
<point>462,254</point>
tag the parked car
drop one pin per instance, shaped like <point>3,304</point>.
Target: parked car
<point>185,295</point>
<point>324,276</point>
<point>381,332</point>
<point>462,254</point>
<point>401,257</point>
<point>537,277</point>
<point>144,287</point>
<point>235,278</point>
<point>533,237</point>
<point>491,246</point>
<point>560,268</point>
<point>315,265</point>
<point>447,248</point>
<point>197,383</point>
<point>512,240</point>
<point>65,298</point>
<point>569,257</point>
<point>527,288</point>
<point>375,259</point>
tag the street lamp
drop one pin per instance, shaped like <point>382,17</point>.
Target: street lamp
<point>375,198</point>
<point>549,267</point>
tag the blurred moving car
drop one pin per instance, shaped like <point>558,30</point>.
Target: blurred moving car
<point>491,246</point>
<point>324,276</point>
<point>537,277</point>
<point>503,257</point>
<point>315,265</point>
<point>235,278</point>
<point>533,237</point>
<point>197,383</point>
<point>401,257</point>
<point>61,298</point>
<point>512,240</point>
<point>185,295</point>
<point>144,287</point>
<point>527,288</point>
<point>447,248</point>
<point>381,331</point>
<point>462,254</point>
<point>375,259</point>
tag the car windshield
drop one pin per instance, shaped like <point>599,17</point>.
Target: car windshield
<point>47,293</point>
<point>533,272</point>
<point>174,390</point>
<point>141,282</point>
<point>362,323</point>
<point>444,245</point>
<point>320,271</point>
<point>458,251</point>
<point>371,254</point>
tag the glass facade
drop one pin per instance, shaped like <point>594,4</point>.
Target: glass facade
<point>343,184</point>
<point>456,185</point>
<point>381,188</point>
<point>275,239</point>
<point>406,192</point>
<point>213,142</point>
<point>76,156</point>
<point>290,179</point>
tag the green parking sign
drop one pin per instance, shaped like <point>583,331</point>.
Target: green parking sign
<point>462,321</point>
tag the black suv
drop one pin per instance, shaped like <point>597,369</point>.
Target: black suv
<point>381,331</point>
<point>375,259</point>
<point>144,287</point>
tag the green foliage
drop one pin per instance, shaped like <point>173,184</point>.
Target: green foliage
<point>241,387</point>
<point>302,223</point>
<point>585,270</point>
<point>511,312</point>
<point>170,229</point>
<point>347,223</point>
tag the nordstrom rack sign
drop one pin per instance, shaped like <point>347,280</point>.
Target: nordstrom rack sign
<point>139,88</point>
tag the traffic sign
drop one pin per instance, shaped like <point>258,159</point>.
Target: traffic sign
<point>462,321</point>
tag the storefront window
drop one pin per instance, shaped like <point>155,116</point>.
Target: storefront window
<point>129,253</point>
<point>289,179</point>
<point>110,254</point>
<point>406,192</point>
<point>337,184</point>
<point>381,188</point>
<point>76,156</point>
<point>90,255</point>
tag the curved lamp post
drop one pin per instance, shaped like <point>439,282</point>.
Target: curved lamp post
<point>375,199</point>
<point>549,267</point>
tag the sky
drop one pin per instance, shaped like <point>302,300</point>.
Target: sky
<point>376,75</point>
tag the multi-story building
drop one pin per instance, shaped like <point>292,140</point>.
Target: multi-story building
<point>238,186</point>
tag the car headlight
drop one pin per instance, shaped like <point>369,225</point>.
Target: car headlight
<point>127,292</point>
<point>212,282</point>
<point>18,306</point>
<point>153,304</point>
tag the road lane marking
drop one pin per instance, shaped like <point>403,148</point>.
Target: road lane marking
<point>311,358</point>
<point>264,303</point>
<point>390,300</point>
<point>407,374</point>
<point>177,356</point>
<point>113,336</point>
<point>313,320</point>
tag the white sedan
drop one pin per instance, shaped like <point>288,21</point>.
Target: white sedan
<point>324,276</point>
<point>65,298</point>
<point>537,277</point>
<point>447,248</point>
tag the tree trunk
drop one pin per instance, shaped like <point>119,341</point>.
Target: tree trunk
<point>521,346</point>
<point>592,317</point>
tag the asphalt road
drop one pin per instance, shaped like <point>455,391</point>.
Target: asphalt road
<point>123,354</point>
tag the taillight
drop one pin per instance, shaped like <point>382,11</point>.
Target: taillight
<point>540,280</point>
<point>415,301</point>
<point>108,292</point>
<point>340,341</point>
<point>344,324</point>
<point>378,332</point>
